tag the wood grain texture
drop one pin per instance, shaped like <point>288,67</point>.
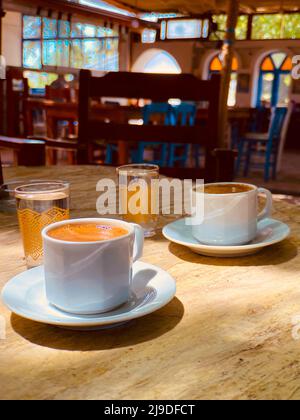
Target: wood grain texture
<point>227,334</point>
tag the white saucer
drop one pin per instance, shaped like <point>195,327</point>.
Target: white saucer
<point>270,232</point>
<point>152,288</point>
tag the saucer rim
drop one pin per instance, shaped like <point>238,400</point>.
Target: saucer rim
<point>233,248</point>
<point>130,315</point>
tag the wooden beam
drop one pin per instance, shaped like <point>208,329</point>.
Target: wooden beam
<point>1,88</point>
<point>86,13</point>
<point>227,57</point>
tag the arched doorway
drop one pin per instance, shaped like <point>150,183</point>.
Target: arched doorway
<point>157,61</point>
<point>215,66</point>
<point>274,80</point>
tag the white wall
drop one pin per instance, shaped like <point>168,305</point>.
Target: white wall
<point>194,57</point>
<point>12,38</point>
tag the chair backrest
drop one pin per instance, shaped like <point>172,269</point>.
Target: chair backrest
<point>184,114</point>
<point>277,123</point>
<point>16,91</point>
<point>60,94</point>
<point>161,109</point>
<point>157,88</point>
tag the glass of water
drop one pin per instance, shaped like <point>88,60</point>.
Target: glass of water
<point>138,195</point>
<point>39,205</point>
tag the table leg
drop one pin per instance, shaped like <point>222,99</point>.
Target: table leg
<point>123,153</point>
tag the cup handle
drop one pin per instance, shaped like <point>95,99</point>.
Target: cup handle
<point>138,246</point>
<point>268,208</point>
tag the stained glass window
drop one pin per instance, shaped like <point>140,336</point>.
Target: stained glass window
<point>184,29</point>
<point>32,27</point>
<point>51,42</point>
<point>148,36</point>
<point>179,29</point>
<point>275,80</point>
<point>216,66</point>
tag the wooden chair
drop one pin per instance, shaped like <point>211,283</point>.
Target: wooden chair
<point>219,164</point>
<point>26,152</point>
<point>55,94</point>
<point>264,145</point>
<point>60,95</point>
<point>53,146</point>
<point>15,100</point>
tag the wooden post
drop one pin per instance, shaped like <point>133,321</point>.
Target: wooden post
<point>1,87</point>
<point>227,57</point>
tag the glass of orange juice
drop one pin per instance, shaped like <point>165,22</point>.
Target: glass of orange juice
<point>138,195</point>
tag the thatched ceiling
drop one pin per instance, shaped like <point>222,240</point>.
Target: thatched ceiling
<point>194,7</point>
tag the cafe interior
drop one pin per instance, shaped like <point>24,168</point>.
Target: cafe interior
<point>197,89</point>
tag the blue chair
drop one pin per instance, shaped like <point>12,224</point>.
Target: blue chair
<point>264,145</point>
<point>183,115</point>
<point>164,110</point>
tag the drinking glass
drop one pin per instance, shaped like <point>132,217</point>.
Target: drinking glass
<point>138,195</point>
<point>40,205</point>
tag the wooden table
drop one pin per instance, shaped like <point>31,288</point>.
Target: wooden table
<point>227,334</point>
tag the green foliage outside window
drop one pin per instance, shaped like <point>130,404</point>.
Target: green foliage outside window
<point>266,26</point>
<point>221,20</point>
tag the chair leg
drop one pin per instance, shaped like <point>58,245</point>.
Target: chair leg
<point>248,159</point>
<point>171,159</point>
<point>239,158</point>
<point>109,153</point>
<point>267,164</point>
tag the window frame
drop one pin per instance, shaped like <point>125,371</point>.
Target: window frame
<point>248,36</point>
<point>69,39</point>
<point>277,72</point>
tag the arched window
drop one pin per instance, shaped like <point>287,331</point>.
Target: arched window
<point>275,80</point>
<point>216,67</point>
<point>155,60</point>
<point>162,62</point>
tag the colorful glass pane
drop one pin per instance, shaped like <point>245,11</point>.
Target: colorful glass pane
<point>49,28</point>
<point>77,59</point>
<point>148,36</point>
<point>49,53</point>
<point>285,82</point>
<point>76,31</point>
<point>278,59</point>
<point>287,65</point>
<point>32,54</point>
<point>91,52</point>
<point>38,80</point>
<point>32,27</point>
<point>63,53</point>
<point>267,64</point>
<point>205,28</point>
<point>64,29</point>
<point>216,64</point>
<point>184,28</point>
<point>89,31</point>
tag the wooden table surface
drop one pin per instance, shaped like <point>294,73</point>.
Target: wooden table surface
<point>227,334</point>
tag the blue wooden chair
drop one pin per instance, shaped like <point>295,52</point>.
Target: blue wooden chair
<point>263,145</point>
<point>164,110</point>
<point>183,115</point>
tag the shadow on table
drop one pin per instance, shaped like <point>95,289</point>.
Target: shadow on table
<point>272,255</point>
<point>135,332</point>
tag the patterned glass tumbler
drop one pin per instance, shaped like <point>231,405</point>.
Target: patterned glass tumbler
<point>39,205</point>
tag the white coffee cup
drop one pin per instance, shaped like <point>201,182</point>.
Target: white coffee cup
<point>230,218</point>
<point>91,277</point>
